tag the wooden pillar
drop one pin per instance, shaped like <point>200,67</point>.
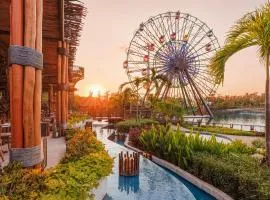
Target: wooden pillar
<point>67,80</point>
<point>62,80</point>
<point>50,99</point>
<point>59,77</point>
<point>63,91</point>
<point>16,75</point>
<point>26,82</point>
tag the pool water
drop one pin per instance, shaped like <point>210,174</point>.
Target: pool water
<point>153,183</point>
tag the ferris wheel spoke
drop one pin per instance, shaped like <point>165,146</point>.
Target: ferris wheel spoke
<point>153,37</point>
<point>181,49</point>
<point>165,29</point>
<point>208,89</point>
<point>196,34</point>
<point>157,31</point>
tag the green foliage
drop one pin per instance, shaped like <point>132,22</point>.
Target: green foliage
<point>82,143</point>
<point>19,183</point>
<point>177,147</point>
<point>124,126</point>
<point>258,143</point>
<point>72,180</point>
<point>240,176</point>
<point>163,142</point>
<point>85,163</point>
<point>75,118</point>
<point>69,133</point>
<point>251,30</point>
<point>221,130</point>
<point>168,109</point>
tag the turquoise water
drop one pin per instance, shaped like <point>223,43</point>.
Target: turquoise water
<point>153,183</point>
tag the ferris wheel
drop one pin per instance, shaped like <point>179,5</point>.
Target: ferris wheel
<point>169,55</point>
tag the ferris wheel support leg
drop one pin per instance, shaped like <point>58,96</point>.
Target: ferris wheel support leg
<point>198,92</point>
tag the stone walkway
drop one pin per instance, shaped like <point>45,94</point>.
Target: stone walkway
<point>56,151</point>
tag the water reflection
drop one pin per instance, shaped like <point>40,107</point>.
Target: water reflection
<point>238,116</point>
<point>129,184</point>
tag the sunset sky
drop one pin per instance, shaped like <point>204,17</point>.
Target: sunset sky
<point>110,25</point>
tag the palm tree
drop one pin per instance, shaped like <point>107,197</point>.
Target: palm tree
<point>137,82</point>
<point>251,30</point>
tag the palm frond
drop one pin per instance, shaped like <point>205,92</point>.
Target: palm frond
<point>217,63</point>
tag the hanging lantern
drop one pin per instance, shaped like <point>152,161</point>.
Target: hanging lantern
<point>210,33</point>
<point>162,39</point>
<point>151,47</point>
<point>146,58</point>
<point>177,15</point>
<point>125,64</point>
<point>173,36</point>
<point>185,38</point>
<point>208,47</point>
<point>141,27</point>
<point>144,72</point>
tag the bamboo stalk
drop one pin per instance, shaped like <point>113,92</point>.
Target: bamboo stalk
<point>59,77</point>
<point>16,75</point>
<point>29,74</point>
<point>38,78</point>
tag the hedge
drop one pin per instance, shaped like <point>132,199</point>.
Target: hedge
<point>240,176</point>
<point>124,126</point>
<point>223,130</point>
<point>84,164</point>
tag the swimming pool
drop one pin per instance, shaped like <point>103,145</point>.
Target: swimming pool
<point>153,183</point>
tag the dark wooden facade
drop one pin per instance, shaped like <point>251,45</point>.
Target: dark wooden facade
<point>62,20</point>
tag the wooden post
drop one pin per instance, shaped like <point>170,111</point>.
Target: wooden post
<point>67,80</point>
<point>26,82</point>
<point>50,99</point>
<point>29,73</point>
<point>38,80</point>
<point>59,77</point>
<point>16,75</point>
<point>63,92</point>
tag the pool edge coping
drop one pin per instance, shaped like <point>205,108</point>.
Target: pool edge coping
<point>206,187</point>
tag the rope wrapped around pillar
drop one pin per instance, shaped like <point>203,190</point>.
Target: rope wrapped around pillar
<point>25,75</point>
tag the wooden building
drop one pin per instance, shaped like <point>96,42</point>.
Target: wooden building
<point>48,27</point>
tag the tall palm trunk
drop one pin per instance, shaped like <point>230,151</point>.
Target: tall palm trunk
<point>267,111</point>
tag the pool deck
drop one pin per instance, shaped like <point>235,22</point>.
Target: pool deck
<point>56,151</point>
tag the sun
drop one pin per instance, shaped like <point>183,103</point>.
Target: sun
<point>96,90</point>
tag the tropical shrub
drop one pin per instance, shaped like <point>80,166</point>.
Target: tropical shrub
<point>223,130</point>
<point>258,143</point>
<point>240,176</point>
<point>85,163</point>
<point>164,143</point>
<point>69,133</point>
<point>82,143</point>
<point>177,147</point>
<point>124,126</point>
<point>76,117</point>
<point>134,134</point>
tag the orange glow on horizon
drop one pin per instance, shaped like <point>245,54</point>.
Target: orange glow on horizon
<point>96,90</point>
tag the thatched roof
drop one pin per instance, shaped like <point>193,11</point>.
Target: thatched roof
<point>75,13</point>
